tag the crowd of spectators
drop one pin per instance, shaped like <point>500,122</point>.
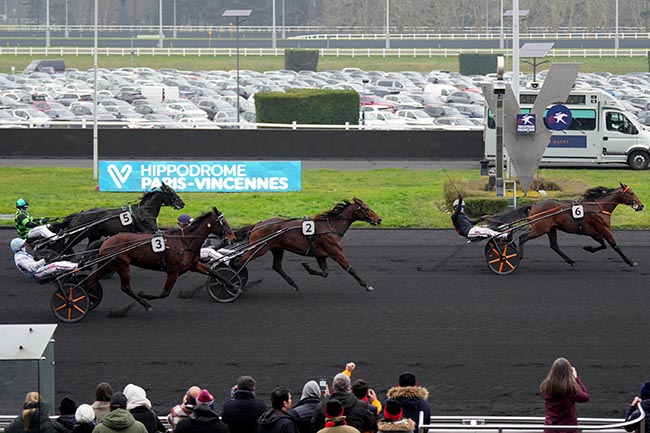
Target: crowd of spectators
<point>348,408</point>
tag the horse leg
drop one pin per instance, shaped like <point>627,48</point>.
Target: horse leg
<point>322,263</point>
<point>339,258</point>
<point>594,249</point>
<point>125,282</point>
<point>169,283</point>
<point>552,238</point>
<point>612,242</point>
<point>278,253</point>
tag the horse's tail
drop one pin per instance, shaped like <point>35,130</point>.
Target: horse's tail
<point>508,217</point>
<point>241,234</point>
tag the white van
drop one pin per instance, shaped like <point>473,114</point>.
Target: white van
<point>159,93</point>
<point>440,91</point>
<point>601,132</point>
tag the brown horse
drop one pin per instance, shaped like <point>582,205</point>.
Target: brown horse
<point>322,238</point>
<point>174,251</point>
<point>590,216</point>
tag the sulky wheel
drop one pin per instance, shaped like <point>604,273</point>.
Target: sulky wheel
<point>95,294</point>
<point>502,256</point>
<point>243,273</point>
<point>70,303</point>
<point>219,291</point>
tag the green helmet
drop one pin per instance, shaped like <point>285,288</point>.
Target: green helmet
<point>21,202</point>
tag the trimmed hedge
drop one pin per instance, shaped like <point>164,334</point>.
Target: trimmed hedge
<point>308,106</point>
<point>301,59</point>
<point>477,64</point>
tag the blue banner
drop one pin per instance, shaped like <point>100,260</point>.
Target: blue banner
<point>201,176</point>
<point>568,141</point>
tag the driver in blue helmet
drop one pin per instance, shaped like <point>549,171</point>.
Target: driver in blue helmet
<point>37,269</point>
<point>467,227</point>
<point>27,225</point>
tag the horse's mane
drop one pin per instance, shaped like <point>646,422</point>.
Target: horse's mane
<point>507,217</point>
<point>335,211</point>
<point>148,194</point>
<point>597,192</point>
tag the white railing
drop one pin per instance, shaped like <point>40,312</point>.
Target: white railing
<point>493,35</point>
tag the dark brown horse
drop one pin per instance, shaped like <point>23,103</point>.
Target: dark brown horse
<point>322,238</point>
<point>589,216</point>
<point>174,251</point>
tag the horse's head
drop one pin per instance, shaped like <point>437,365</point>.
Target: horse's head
<point>364,213</point>
<point>220,226</point>
<point>171,198</point>
<point>629,198</point>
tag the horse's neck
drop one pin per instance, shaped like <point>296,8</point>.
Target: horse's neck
<point>151,204</point>
<point>607,203</point>
<point>339,224</point>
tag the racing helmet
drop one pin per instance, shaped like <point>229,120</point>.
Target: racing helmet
<point>21,202</point>
<point>17,244</point>
<point>184,219</point>
<point>462,204</point>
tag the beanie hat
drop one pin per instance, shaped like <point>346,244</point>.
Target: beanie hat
<point>333,408</point>
<point>644,393</point>
<point>118,401</point>
<point>84,414</point>
<point>407,379</point>
<point>393,410</point>
<point>205,398</point>
<point>67,406</point>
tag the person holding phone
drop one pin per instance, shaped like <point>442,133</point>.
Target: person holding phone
<point>561,390</point>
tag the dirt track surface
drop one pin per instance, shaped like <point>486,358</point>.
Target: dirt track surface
<point>479,342</point>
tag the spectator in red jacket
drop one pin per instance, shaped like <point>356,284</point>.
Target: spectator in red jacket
<point>561,390</point>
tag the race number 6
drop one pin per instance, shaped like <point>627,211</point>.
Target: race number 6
<point>577,211</point>
<point>126,219</point>
<point>308,228</point>
<point>158,244</point>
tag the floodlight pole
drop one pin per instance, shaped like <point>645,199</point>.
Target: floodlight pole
<point>95,135</point>
<point>501,36</point>
<point>47,24</point>
<point>515,48</point>
<point>237,45</point>
<point>387,24</point>
<point>616,46</point>
<point>284,30</point>
<point>175,33</point>
<point>160,26</point>
<point>67,31</point>
<point>274,39</point>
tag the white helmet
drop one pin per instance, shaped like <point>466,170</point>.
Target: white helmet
<point>455,204</point>
<point>17,244</point>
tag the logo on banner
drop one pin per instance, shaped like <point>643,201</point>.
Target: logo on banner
<point>526,123</point>
<point>119,175</point>
<point>558,117</point>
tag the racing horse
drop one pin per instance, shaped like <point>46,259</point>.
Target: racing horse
<point>319,237</point>
<point>173,251</point>
<point>589,216</point>
<point>141,217</point>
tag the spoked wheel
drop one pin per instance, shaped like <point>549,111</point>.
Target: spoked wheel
<point>95,293</point>
<point>502,256</point>
<point>219,291</point>
<point>70,303</point>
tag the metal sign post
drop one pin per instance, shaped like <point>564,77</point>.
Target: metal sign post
<point>499,93</point>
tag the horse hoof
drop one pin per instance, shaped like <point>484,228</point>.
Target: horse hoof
<point>573,264</point>
<point>633,264</point>
<point>149,309</point>
<point>369,289</point>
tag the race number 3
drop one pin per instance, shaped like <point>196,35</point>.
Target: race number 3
<point>126,219</point>
<point>158,244</point>
<point>577,211</point>
<point>308,228</point>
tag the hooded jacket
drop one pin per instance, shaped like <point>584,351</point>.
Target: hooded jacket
<point>304,409</point>
<point>414,401</point>
<point>202,420</point>
<point>120,420</point>
<point>276,421</point>
<point>633,413</point>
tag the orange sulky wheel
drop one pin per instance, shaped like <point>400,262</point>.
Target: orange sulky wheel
<point>502,256</point>
<point>70,303</point>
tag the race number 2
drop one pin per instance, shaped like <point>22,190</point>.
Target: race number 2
<point>126,219</point>
<point>158,244</point>
<point>308,228</point>
<point>577,211</point>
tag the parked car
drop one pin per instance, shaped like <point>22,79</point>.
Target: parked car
<point>212,106</point>
<point>32,117</point>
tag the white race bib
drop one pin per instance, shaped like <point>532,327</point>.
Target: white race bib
<point>577,211</point>
<point>158,244</point>
<point>308,228</point>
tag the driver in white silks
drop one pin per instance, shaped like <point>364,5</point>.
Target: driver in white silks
<point>467,227</point>
<point>37,269</point>
<point>208,253</point>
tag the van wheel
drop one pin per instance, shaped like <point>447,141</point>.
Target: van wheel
<point>638,160</point>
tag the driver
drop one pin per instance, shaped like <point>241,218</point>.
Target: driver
<point>27,225</point>
<point>467,227</point>
<point>37,269</point>
<point>208,253</point>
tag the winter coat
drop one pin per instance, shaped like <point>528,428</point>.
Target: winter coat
<point>86,427</point>
<point>201,420</point>
<point>276,421</point>
<point>563,411</point>
<point>358,414</point>
<point>344,428</point>
<point>64,423</point>
<point>302,413</point>
<point>179,412</point>
<point>38,419</point>
<point>120,421</point>
<point>149,418</point>
<point>633,413</point>
<point>414,401</point>
<point>242,411</point>
<point>101,408</point>
<point>402,425</point>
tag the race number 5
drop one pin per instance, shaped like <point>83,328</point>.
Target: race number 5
<point>158,244</point>
<point>126,219</point>
<point>308,228</point>
<point>577,211</point>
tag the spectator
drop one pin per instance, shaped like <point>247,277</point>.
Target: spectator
<point>393,419</point>
<point>363,392</point>
<point>66,420</point>
<point>119,420</point>
<point>242,411</point>
<point>203,418</point>
<point>303,410</point>
<point>335,420</point>
<point>33,418</point>
<point>102,403</point>
<point>186,408</point>
<point>633,411</point>
<point>140,408</point>
<point>561,389</point>
<point>358,413</point>
<point>278,419</point>
<point>85,419</point>
<point>412,396</point>
<point>27,225</point>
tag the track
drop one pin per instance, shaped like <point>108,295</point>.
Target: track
<point>481,343</point>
